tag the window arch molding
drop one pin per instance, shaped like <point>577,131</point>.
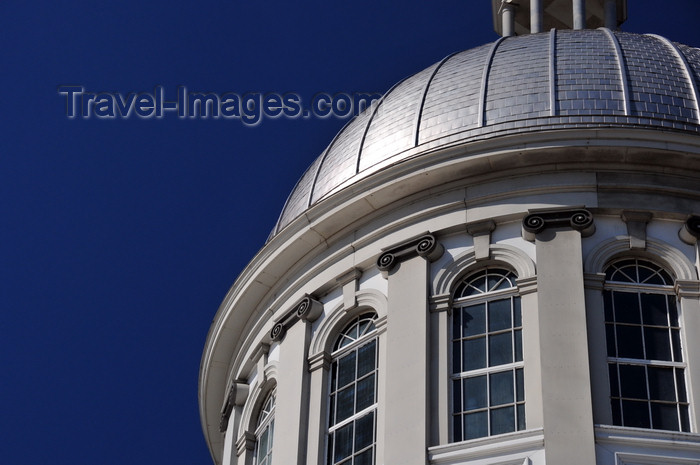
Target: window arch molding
<point>336,320</point>
<point>251,409</point>
<point>656,251</point>
<point>465,263</point>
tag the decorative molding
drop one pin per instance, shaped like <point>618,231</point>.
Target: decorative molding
<point>687,288</point>
<point>260,351</point>
<point>336,318</point>
<point>425,246</point>
<point>319,360</point>
<point>527,285</point>
<point>594,281</point>
<point>245,442</point>
<point>656,251</point>
<point>307,309</point>
<point>501,254</point>
<point>237,395</point>
<point>637,227</point>
<point>481,232</point>
<point>690,231</point>
<point>348,282</point>
<point>522,443</point>
<point>441,303</point>
<point>647,459</point>
<point>577,218</point>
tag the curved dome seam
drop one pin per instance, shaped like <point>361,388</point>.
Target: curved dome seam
<point>484,83</point>
<point>622,66</point>
<point>686,69</point>
<point>419,113</point>
<point>553,72</point>
<point>369,122</point>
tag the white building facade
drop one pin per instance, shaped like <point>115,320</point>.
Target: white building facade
<point>498,264</point>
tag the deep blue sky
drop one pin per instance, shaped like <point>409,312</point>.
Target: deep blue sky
<point>119,238</point>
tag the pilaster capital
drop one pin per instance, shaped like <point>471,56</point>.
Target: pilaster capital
<point>307,309</point>
<point>577,218</point>
<point>690,231</point>
<point>425,246</point>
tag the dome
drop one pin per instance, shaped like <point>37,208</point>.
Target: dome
<point>564,79</point>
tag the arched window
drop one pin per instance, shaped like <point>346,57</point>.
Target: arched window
<point>488,395</point>
<point>645,357</point>
<point>353,394</point>
<point>264,431</point>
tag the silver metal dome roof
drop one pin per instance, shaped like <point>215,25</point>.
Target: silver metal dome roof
<point>555,80</point>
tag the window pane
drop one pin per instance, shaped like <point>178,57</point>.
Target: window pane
<point>346,369</point>
<point>635,414</point>
<point>517,313</point>
<point>364,458</point>
<point>657,344</point>
<point>654,309</point>
<point>364,431</point>
<point>496,281</point>
<point>456,357</point>
<point>365,393</point>
<point>473,320</point>
<point>499,315</point>
<point>456,324</point>
<point>672,310</point>
<point>664,416</point>
<point>457,395</point>
<point>502,420</point>
<point>345,400</point>
<point>680,383</point>
<point>518,334</point>
<point>519,385</point>
<point>334,376</point>
<point>614,385</point>
<point>476,425</point>
<point>633,382</point>
<point>457,427</point>
<point>676,341</point>
<point>607,305</point>
<point>343,442</point>
<point>366,358</point>
<point>629,341</point>
<point>646,273</point>
<point>610,340</point>
<point>661,384</point>
<point>626,307</point>
<point>262,444</point>
<point>501,388</point>
<point>500,349</point>
<point>475,393</point>
<point>685,421</point>
<point>616,412</point>
<point>474,354</point>
<point>521,416</point>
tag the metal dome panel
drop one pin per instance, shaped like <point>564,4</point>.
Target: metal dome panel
<point>566,79</point>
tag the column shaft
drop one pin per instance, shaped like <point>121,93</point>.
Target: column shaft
<point>291,410</point>
<point>566,387</point>
<point>406,420</point>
